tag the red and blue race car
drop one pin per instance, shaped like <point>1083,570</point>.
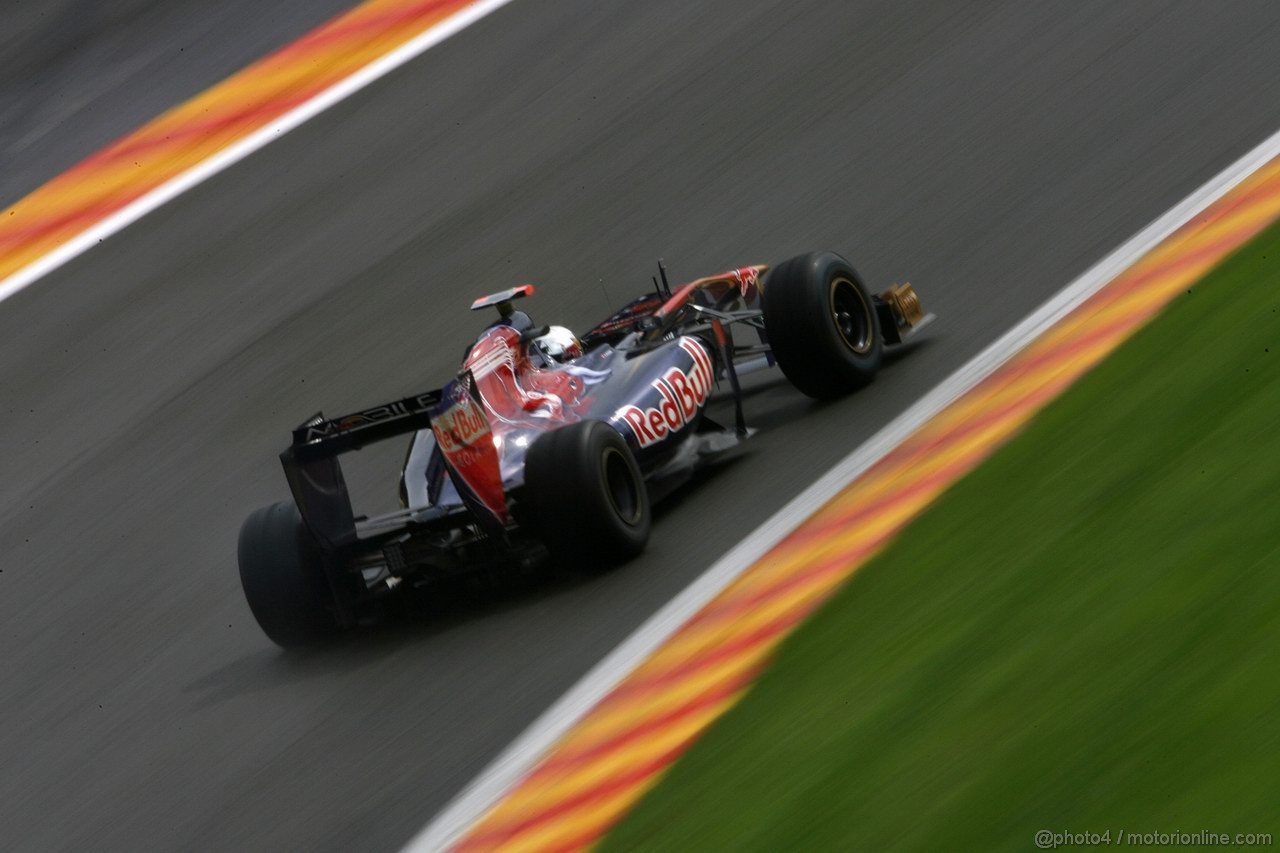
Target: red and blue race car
<point>546,444</point>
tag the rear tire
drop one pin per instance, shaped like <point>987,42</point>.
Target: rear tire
<point>822,325</point>
<point>587,497</point>
<point>284,579</point>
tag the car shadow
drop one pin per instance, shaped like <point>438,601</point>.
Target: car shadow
<point>414,619</point>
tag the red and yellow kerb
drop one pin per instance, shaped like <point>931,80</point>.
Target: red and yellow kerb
<point>197,130</point>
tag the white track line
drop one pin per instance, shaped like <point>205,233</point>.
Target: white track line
<point>233,154</point>
<point>519,758</point>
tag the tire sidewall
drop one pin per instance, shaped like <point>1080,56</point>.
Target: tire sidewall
<point>830,268</point>
<point>567,485</point>
<point>629,535</point>
<point>282,576</point>
<point>801,326</point>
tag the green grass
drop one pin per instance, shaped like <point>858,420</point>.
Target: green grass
<point>1081,635</point>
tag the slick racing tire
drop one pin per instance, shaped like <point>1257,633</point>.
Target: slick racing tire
<point>283,577</point>
<point>587,497</point>
<point>822,325</point>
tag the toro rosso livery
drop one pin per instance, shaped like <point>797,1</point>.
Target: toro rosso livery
<point>550,445</point>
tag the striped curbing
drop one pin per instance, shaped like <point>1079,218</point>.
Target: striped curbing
<point>190,142</point>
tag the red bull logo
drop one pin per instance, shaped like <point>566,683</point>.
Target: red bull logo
<point>466,440</point>
<point>681,394</point>
<point>460,427</point>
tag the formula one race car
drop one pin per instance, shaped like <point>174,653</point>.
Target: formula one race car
<point>550,445</point>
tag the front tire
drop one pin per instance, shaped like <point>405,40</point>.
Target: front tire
<point>283,577</point>
<point>822,325</point>
<point>587,497</point>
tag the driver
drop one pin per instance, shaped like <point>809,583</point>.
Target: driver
<point>559,344</point>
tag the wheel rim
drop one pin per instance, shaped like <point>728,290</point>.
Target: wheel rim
<point>621,486</point>
<point>851,315</point>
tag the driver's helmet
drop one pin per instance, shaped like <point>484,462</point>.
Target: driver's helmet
<point>559,344</point>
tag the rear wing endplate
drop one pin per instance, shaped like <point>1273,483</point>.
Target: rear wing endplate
<point>311,461</point>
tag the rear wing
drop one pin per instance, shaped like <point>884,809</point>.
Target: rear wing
<point>311,461</point>
<point>319,438</point>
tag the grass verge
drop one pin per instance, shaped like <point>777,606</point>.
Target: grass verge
<point>1082,635</point>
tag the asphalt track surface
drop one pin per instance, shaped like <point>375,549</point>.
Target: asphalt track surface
<point>989,154</point>
<point>77,74</point>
